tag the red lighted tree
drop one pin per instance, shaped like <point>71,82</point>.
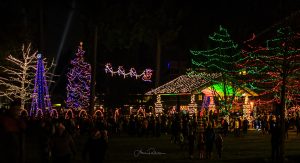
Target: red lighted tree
<point>273,71</point>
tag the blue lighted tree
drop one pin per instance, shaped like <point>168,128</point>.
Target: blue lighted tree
<point>79,81</point>
<point>41,102</point>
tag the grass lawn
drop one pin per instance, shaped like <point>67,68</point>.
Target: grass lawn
<point>250,148</point>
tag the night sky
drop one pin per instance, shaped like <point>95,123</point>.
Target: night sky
<point>127,30</point>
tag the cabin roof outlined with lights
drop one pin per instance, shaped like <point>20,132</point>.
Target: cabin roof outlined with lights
<point>191,85</point>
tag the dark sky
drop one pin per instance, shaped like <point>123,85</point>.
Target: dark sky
<point>43,23</point>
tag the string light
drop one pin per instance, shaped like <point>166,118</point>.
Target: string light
<point>40,97</point>
<point>222,57</point>
<point>184,84</point>
<point>17,84</point>
<point>267,65</point>
<point>79,80</point>
<point>145,75</point>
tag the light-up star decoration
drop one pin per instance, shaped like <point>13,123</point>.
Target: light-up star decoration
<point>145,75</point>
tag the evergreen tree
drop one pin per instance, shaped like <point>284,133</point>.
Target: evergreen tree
<point>269,65</point>
<point>273,70</point>
<point>79,80</point>
<point>220,58</point>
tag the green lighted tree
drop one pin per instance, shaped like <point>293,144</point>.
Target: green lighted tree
<point>220,58</point>
<point>273,70</point>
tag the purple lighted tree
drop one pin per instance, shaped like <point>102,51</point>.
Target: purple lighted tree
<point>40,98</point>
<point>79,81</point>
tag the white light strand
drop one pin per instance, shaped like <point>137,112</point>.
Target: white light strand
<point>18,84</point>
<point>184,84</point>
<point>145,76</point>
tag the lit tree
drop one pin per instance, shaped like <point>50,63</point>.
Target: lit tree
<point>221,58</point>
<point>273,70</point>
<point>267,66</point>
<point>79,81</point>
<point>40,97</point>
<point>17,83</point>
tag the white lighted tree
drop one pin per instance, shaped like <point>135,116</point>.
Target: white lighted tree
<point>17,83</point>
<point>17,80</point>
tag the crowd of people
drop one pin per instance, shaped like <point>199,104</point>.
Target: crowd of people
<point>195,135</point>
<point>53,138</point>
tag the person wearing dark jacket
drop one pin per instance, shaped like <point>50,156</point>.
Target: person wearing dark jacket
<point>191,138</point>
<point>96,146</point>
<point>219,144</point>
<point>62,145</point>
<point>209,141</point>
<point>275,141</point>
<point>225,128</point>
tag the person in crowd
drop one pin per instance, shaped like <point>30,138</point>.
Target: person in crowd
<point>152,125</point>
<point>11,137</point>
<point>201,146</point>
<point>185,126</point>
<point>96,146</point>
<point>181,141</point>
<point>158,126</point>
<point>139,126</point>
<point>209,141</point>
<point>256,124</point>
<point>286,127</point>
<point>219,144</point>
<point>44,132</point>
<point>145,126</point>
<point>175,129</point>
<point>245,126</point>
<point>191,143</point>
<point>275,140</point>
<point>132,126</point>
<point>264,125</point>
<point>62,145</point>
<point>297,124</point>
<point>225,127</point>
<point>164,124</point>
<point>272,124</point>
<point>236,127</point>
